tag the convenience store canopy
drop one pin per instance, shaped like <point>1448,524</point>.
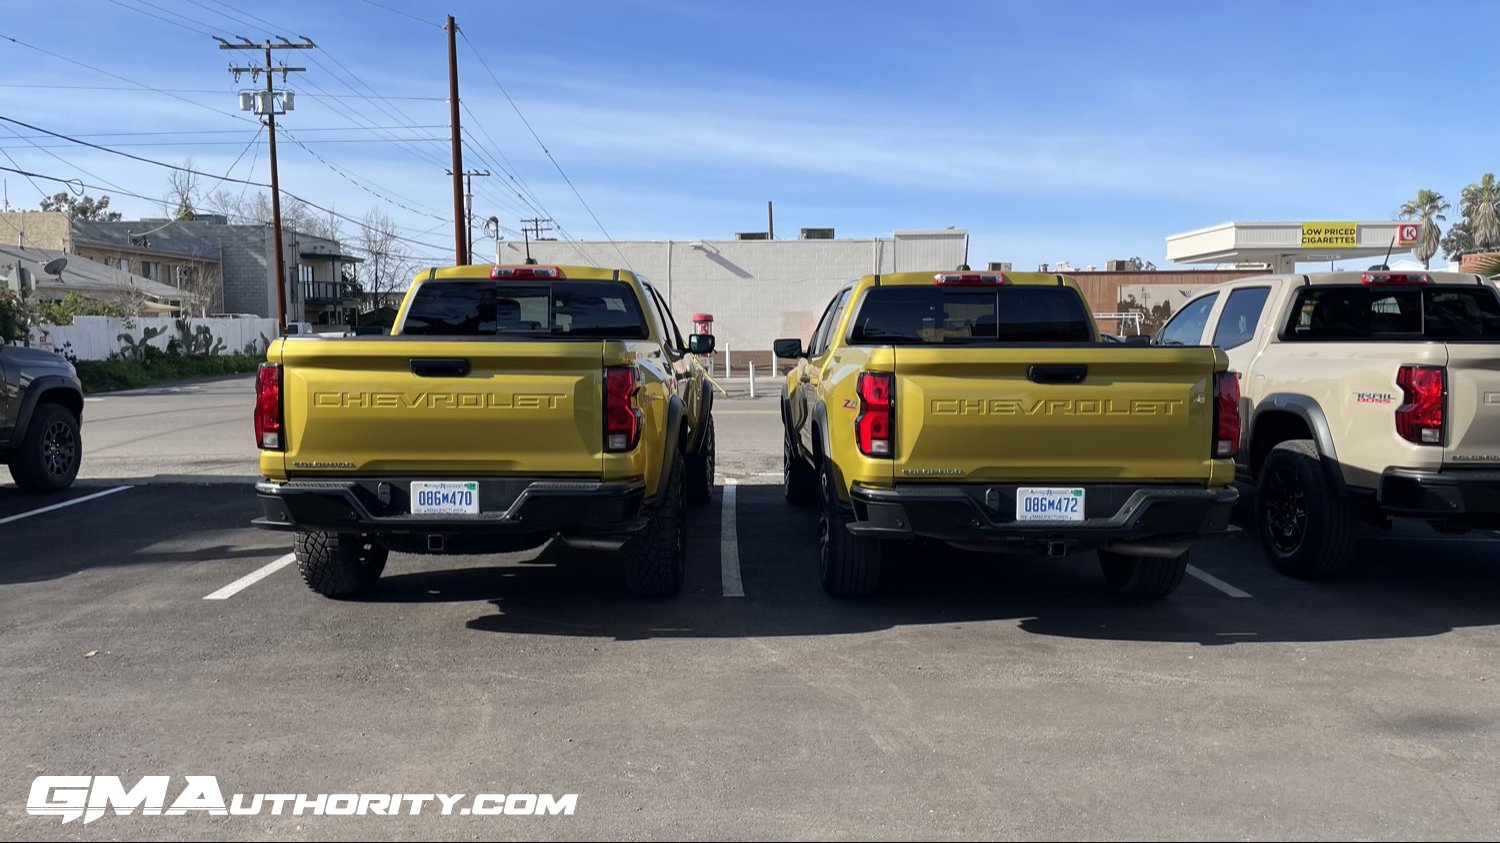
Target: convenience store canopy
<point>1282,245</point>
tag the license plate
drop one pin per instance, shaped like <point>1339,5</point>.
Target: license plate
<point>1049,505</point>
<point>445,498</point>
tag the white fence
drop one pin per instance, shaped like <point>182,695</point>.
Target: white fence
<point>99,337</point>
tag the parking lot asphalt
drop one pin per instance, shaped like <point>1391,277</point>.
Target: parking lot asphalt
<point>976,696</point>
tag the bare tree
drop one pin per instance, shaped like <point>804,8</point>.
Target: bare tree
<point>387,263</point>
<point>181,200</point>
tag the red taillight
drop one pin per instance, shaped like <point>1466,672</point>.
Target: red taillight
<point>877,410</point>
<point>1226,415</point>
<point>524,273</point>
<point>1419,419</point>
<point>268,433</point>
<point>622,421</point>
<point>1395,279</point>
<point>970,279</point>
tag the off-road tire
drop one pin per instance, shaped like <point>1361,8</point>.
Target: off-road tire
<point>1307,528</point>
<point>700,469</point>
<point>656,557</point>
<point>799,481</point>
<point>1143,577</point>
<point>50,453</point>
<point>848,565</point>
<point>339,564</point>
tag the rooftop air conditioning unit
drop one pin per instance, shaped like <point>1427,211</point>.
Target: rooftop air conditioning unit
<point>1117,266</point>
<point>752,235</point>
<point>999,266</point>
<point>817,234</point>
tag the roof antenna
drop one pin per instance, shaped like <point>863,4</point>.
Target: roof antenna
<point>1386,264</point>
<point>526,233</point>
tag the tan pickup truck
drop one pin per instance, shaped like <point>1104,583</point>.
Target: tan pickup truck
<point>1366,396</point>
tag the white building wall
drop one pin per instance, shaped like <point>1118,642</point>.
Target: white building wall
<point>757,290</point>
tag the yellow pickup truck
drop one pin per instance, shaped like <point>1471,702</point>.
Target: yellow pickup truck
<point>981,410</point>
<point>510,405</point>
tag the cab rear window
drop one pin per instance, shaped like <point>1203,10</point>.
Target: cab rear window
<point>569,309</point>
<point>971,316</point>
<point>1372,314</point>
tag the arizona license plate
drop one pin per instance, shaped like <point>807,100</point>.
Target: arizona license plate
<point>1049,505</point>
<point>445,498</point>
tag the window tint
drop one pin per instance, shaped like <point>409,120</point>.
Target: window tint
<point>587,309</point>
<point>829,324</point>
<point>675,336</point>
<point>1186,328</point>
<point>969,316</point>
<point>1394,313</point>
<point>1241,316</point>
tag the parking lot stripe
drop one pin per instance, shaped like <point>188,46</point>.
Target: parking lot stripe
<point>56,506</point>
<point>1217,583</point>
<point>252,578</point>
<point>729,544</point>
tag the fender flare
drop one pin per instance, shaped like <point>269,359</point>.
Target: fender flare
<point>39,387</point>
<point>1312,415</point>
<point>675,412</point>
<point>701,429</point>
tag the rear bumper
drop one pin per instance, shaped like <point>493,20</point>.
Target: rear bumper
<point>516,506</point>
<point>1471,497</point>
<point>985,515</point>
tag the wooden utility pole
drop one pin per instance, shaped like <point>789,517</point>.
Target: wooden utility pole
<point>770,221</point>
<point>460,241</point>
<point>266,104</point>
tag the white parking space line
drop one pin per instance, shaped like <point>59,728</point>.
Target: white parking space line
<point>252,578</point>
<point>729,544</point>
<point>1217,583</point>
<point>58,506</point>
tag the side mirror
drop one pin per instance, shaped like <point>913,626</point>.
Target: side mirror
<point>1137,340</point>
<point>789,349</point>
<point>701,343</point>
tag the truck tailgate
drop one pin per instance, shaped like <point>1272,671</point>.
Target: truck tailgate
<point>1474,402</point>
<point>1008,414</point>
<point>442,407</point>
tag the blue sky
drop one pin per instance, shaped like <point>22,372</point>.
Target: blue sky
<point>1052,131</point>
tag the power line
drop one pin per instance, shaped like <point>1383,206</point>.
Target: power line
<point>160,18</point>
<point>140,85</point>
<point>550,156</point>
<point>214,91</point>
<point>159,144</point>
<point>360,181</point>
<point>404,13</point>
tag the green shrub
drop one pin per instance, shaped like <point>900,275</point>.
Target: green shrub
<point>75,304</point>
<point>109,375</point>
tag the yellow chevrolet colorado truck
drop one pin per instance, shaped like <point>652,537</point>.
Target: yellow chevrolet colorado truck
<point>509,406</point>
<point>1368,396</point>
<point>981,410</point>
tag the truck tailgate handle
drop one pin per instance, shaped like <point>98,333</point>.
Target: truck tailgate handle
<point>440,367</point>
<point>1057,374</point>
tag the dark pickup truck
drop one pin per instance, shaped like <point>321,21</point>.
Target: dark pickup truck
<point>41,411</point>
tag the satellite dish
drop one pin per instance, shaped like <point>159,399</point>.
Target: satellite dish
<point>55,266</point>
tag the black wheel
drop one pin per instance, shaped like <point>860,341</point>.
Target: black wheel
<point>1306,527</point>
<point>656,557</point>
<point>799,482</point>
<point>339,564</point>
<point>848,565</point>
<point>700,469</point>
<point>1147,577</point>
<point>50,453</point>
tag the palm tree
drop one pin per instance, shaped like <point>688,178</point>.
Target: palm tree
<point>1481,205</point>
<point>1427,207</point>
